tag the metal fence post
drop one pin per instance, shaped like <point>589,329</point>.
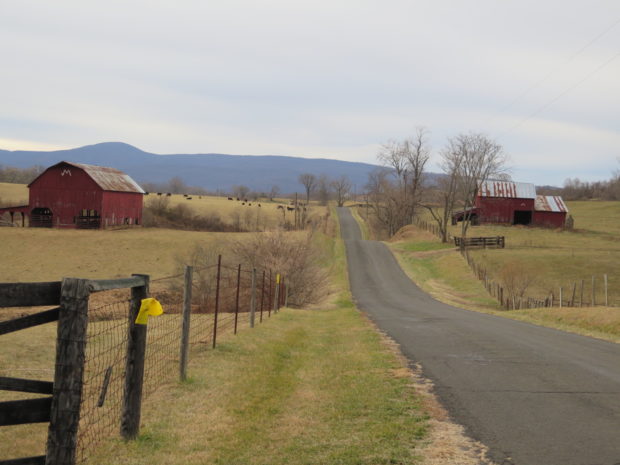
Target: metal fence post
<point>217,298</point>
<point>134,372</point>
<point>253,299</point>
<point>68,377</point>
<point>187,312</point>
<point>262,296</point>
<point>276,297</point>
<point>237,298</point>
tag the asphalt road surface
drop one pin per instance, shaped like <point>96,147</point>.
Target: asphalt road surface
<point>533,395</point>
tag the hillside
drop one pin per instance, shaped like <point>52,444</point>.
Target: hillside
<point>210,171</point>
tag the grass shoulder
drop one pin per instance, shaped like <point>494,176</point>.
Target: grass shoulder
<point>444,274</point>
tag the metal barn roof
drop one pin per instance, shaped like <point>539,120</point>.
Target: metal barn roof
<point>109,179</point>
<point>550,203</point>
<point>507,189</point>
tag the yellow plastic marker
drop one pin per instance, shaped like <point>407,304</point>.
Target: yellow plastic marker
<point>148,307</point>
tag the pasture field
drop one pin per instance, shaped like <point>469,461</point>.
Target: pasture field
<point>13,194</point>
<point>39,254</point>
<point>267,216</point>
<point>546,259</point>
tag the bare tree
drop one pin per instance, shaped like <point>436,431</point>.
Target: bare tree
<point>395,193</point>
<point>309,182</point>
<point>274,192</point>
<point>323,189</point>
<point>240,191</point>
<point>177,186</point>
<point>342,189</point>
<point>467,160</point>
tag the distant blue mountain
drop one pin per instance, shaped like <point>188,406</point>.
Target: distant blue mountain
<point>211,171</point>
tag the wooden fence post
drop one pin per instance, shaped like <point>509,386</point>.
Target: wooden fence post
<point>581,295</point>
<point>68,377</point>
<point>134,371</point>
<point>253,299</point>
<point>187,312</point>
<point>560,297</point>
<point>606,299</point>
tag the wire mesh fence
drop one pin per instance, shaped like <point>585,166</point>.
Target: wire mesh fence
<point>218,298</point>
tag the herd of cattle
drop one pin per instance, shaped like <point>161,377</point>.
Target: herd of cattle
<point>300,206</point>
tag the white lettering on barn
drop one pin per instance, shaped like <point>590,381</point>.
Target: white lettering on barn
<point>65,171</point>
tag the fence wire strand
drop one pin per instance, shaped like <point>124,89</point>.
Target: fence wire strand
<point>108,328</point>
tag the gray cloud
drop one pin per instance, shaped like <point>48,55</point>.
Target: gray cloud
<point>322,79</point>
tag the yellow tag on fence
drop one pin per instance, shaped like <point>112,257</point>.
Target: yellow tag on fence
<point>149,307</point>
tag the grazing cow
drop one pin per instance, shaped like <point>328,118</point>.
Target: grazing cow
<point>237,199</point>
<point>184,195</point>
<point>242,203</point>
<point>249,204</point>
<point>168,194</point>
<point>280,207</point>
<point>159,193</point>
<point>290,208</point>
<point>259,205</point>
<point>229,198</point>
<point>188,198</point>
<point>245,200</point>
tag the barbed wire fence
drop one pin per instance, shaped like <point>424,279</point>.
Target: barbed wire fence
<point>199,305</point>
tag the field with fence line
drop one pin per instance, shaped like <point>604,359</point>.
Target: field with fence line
<point>569,274</point>
<point>226,298</point>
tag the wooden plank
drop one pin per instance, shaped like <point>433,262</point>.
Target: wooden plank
<point>20,412</point>
<point>26,385</point>
<point>97,285</point>
<point>39,460</point>
<point>29,294</point>
<point>29,321</point>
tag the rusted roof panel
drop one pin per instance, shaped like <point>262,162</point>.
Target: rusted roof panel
<point>110,179</point>
<point>507,189</point>
<point>550,203</point>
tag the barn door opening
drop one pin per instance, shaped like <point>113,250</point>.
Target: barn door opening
<point>41,218</point>
<point>88,219</point>
<point>522,217</point>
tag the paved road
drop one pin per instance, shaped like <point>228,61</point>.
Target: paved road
<point>533,395</point>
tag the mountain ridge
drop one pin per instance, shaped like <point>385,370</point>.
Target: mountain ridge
<point>211,171</point>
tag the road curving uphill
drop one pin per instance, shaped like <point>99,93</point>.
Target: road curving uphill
<point>533,395</point>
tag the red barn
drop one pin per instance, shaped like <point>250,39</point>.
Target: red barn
<point>549,211</point>
<point>74,195</point>
<point>507,202</point>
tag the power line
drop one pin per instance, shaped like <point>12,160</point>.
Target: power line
<point>566,91</point>
<point>557,67</point>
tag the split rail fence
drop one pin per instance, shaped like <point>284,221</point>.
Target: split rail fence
<point>106,363</point>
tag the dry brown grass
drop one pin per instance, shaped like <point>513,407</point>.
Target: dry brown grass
<point>13,194</point>
<point>33,254</point>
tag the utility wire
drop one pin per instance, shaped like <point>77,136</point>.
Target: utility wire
<point>564,92</point>
<point>557,67</point>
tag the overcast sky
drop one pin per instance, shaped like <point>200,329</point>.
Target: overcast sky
<point>328,79</point>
